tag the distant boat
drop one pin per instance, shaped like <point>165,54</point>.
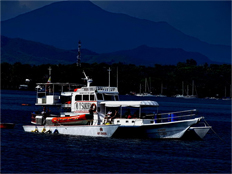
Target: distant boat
<point>145,94</point>
<point>190,96</point>
<point>7,125</point>
<point>187,96</point>
<point>161,93</point>
<point>226,98</point>
<point>23,87</point>
<point>181,95</point>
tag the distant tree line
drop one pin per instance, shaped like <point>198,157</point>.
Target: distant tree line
<point>210,80</point>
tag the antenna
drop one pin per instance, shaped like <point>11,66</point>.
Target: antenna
<point>79,54</point>
<point>87,79</point>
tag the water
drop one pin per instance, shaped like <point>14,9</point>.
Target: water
<point>23,152</point>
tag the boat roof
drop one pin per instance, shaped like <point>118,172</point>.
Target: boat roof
<point>130,103</point>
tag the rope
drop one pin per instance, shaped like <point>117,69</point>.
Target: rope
<point>213,130</point>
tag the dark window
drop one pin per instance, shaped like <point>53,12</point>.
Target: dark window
<point>91,97</point>
<point>151,121</point>
<point>78,98</point>
<point>86,97</point>
<point>108,97</point>
<point>116,97</point>
<point>99,96</point>
<point>65,99</point>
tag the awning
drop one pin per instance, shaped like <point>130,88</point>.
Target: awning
<point>130,103</point>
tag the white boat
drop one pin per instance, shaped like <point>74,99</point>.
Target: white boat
<point>150,125</point>
<point>84,113</point>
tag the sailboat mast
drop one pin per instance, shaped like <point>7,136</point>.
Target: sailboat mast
<point>182,88</point>
<point>117,77</point>
<point>225,91</point>
<point>145,85</point>
<point>192,87</point>
<point>161,88</point>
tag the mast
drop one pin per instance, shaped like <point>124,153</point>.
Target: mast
<point>161,88</point>
<point>117,77</point>
<point>183,88</point>
<point>79,54</point>
<point>230,92</point>
<point>192,87</point>
<point>225,91</point>
<point>145,85</point>
<point>89,81</point>
<point>109,75</point>
<point>50,79</point>
<point>50,74</point>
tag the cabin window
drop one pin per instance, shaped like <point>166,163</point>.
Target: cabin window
<point>65,99</point>
<point>66,109</point>
<point>108,97</point>
<point>78,98</point>
<point>118,121</point>
<point>126,121</point>
<point>132,121</point>
<point>92,97</point>
<point>151,121</point>
<point>85,97</point>
<point>99,96</point>
<point>116,97</point>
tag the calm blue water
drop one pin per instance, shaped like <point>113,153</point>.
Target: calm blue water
<point>44,153</point>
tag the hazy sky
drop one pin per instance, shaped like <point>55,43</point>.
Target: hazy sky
<point>209,21</point>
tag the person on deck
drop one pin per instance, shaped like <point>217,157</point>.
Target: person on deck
<point>115,115</point>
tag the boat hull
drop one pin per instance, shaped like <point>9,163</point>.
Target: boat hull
<point>168,130</point>
<point>79,130</point>
<point>196,132</point>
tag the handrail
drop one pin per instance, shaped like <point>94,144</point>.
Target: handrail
<point>175,117</point>
<point>193,110</point>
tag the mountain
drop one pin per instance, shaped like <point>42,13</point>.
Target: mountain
<point>145,55</point>
<point>29,52</point>
<point>62,24</point>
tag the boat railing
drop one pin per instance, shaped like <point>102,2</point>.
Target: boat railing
<point>174,116</point>
<point>100,89</point>
<point>49,93</point>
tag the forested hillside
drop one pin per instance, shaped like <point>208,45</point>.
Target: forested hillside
<point>210,80</point>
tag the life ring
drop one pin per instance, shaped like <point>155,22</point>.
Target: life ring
<point>93,105</point>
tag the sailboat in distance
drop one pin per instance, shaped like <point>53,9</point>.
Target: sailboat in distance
<point>190,96</point>
<point>145,94</point>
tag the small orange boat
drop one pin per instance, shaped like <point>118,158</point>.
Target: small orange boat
<point>7,125</point>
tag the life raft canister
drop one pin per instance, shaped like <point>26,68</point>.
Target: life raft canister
<point>72,118</point>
